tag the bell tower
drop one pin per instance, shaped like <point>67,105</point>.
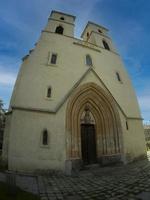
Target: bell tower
<point>97,35</point>
<point>61,23</point>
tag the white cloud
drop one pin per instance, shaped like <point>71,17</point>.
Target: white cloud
<point>7,78</point>
<point>144,102</point>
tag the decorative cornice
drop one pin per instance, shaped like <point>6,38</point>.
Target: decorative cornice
<point>31,109</point>
<point>87,45</point>
<point>61,21</point>
<point>78,41</point>
<point>54,11</point>
<point>100,34</point>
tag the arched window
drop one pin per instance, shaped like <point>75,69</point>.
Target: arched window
<point>127,127</point>
<point>53,58</point>
<point>62,18</point>
<point>59,30</point>
<point>45,137</point>
<point>88,60</point>
<point>118,76</point>
<point>99,31</point>
<point>49,92</point>
<point>106,46</point>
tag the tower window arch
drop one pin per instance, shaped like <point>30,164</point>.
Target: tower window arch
<point>45,137</point>
<point>62,18</point>
<point>59,30</point>
<point>106,46</point>
<point>53,58</point>
<point>49,92</point>
<point>89,60</point>
<point>118,77</point>
<point>127,127</point>
<point>99,31</point>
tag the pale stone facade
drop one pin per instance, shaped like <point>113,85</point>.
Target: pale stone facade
<point>89,92</point>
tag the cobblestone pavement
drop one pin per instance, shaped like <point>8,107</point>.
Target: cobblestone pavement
<point>148,155</point>
<point>128,182</point>
<point>27,183</point>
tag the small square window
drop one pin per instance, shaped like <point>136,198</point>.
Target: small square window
<point>53,58</point>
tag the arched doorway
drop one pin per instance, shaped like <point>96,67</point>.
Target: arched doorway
<point>106,127</point>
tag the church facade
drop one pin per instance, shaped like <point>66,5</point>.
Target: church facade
<point>73,103</point>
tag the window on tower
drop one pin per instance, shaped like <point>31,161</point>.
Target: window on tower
<point>59,30</point>
<point>106,46</point>
<point>118,77</point>
<point>53,58</point>
<point>62,18</point>
<point>89,60</point>
<point>45,137</point>
<point>127,127</point>
<point>49,92</point>
<point>99,31</point>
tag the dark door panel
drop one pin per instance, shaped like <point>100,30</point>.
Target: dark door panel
<point>88,143</point>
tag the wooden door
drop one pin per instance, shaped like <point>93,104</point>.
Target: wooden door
<point>88,143</point>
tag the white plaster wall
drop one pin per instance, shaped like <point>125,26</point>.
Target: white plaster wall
<point>133,139</point>
<point>67,18</point>
<point>26,153</point>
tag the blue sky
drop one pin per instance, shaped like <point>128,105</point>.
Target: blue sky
<point>21,22</point>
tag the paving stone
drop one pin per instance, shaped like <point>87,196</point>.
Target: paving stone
<point>144,196</point>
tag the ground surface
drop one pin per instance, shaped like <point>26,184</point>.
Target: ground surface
<point>127,182</point>
<point>9,193</point>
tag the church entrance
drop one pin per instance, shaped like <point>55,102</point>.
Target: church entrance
<point>93,126</point>
<point>88,144</point>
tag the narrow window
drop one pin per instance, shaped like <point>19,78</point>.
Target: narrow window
<point>59,30</point>
<point>88,60</point>
<point>53,58</point>
<point>99,31</point>
<point>49,92</point>
<point>88,34</point>
<point>106,46</point>
<point>127,127</point>
<point>118,76</point>
<point>45,137</point>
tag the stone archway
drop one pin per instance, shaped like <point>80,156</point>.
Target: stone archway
<point>107,123</point>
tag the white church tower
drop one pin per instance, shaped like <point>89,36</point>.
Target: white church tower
<point>73,103</point>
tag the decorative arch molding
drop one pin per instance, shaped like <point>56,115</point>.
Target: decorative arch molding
<point>107,121</point>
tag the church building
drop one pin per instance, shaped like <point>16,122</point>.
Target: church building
<point>73,103</point>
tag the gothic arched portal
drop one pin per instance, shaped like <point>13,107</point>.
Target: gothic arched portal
<point>105,117</point>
